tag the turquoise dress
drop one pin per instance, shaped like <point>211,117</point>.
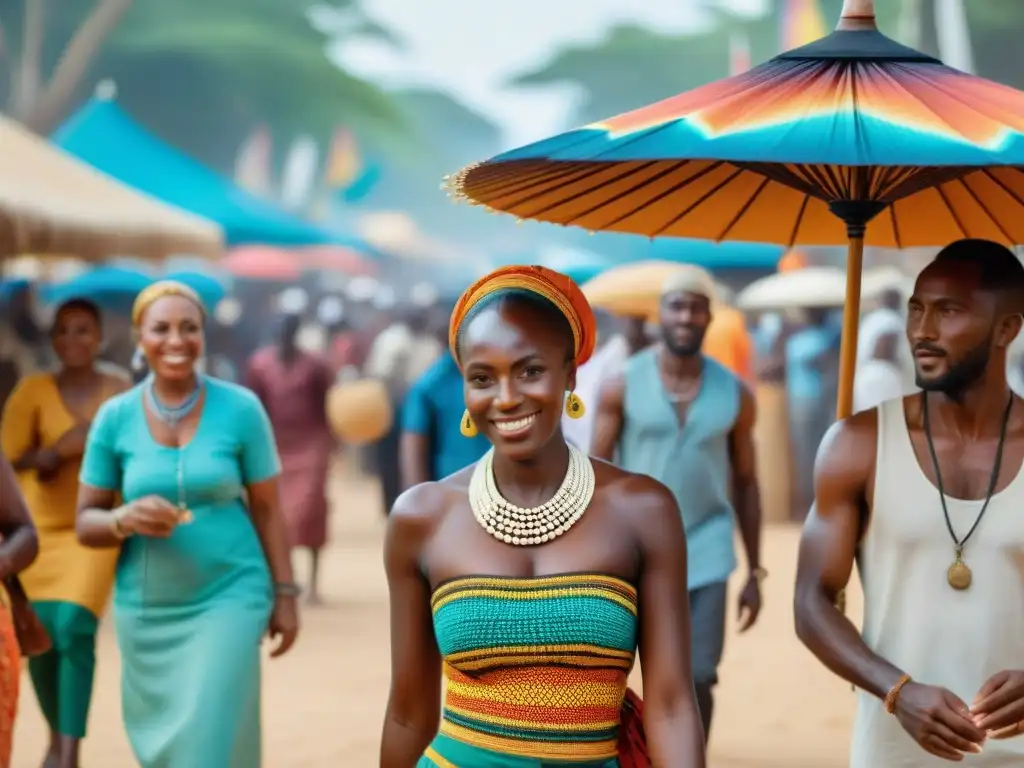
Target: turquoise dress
<point>190,610</point>
<point>535,670</point>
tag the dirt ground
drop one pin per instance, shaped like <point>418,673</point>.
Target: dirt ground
<point>323,703</point>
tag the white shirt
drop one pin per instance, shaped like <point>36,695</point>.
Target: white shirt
<point>914,619</point>
<point>608,361</point>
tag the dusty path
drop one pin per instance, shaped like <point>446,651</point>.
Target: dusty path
<point>323,703</point>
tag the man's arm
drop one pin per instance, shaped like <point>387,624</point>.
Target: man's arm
<point>414,447</point>
<point>934,717</point>
<point>610,418</point>
<point>828,550</point>
<point>746,495</point>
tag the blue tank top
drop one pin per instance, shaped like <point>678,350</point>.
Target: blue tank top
<point>691,460</point>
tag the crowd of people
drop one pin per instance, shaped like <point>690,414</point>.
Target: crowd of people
<point>564,495</point>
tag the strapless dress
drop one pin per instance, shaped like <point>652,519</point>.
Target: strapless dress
<point>535,670</point>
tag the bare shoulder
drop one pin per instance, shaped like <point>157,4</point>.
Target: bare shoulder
<point>845,464</point>
<point>854,434</point>
<point>417,513</point>
<point>640,499</point>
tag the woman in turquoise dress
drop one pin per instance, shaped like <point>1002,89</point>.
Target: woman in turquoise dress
<point>529,580</point>
<point>204,570</point>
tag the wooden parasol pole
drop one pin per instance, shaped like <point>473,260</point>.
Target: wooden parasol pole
<point>856,15</point>
<point>851,326</point>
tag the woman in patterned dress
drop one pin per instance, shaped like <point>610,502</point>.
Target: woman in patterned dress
<point>18,548</point>
<point>529,580</point>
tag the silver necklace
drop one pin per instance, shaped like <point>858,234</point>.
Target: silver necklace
<point>173,415</point>
<point>527,527</point>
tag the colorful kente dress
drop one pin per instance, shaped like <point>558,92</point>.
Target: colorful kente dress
<point>69,584</point>
<point>10,675</point>
<point>536,670</point>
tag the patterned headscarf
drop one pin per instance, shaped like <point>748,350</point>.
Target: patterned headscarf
<point>159,290</point>
<point>557,288</point>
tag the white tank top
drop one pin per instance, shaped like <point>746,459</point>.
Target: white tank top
<point>914,619</point>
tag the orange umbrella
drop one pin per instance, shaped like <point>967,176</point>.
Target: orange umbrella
<point>852,139</point>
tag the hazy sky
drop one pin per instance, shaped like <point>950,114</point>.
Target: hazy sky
<point>470,47</point>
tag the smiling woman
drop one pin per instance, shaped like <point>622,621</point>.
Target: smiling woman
<point>204,566</point>
<point>537,650</point>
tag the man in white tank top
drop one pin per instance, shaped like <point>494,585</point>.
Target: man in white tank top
<point>940,665</point>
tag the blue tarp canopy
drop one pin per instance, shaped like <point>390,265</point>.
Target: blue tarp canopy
<point>104,136</point>
<point>114,288</point>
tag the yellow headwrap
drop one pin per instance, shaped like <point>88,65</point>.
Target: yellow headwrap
<point>159,290</point>
<point>557,288</point>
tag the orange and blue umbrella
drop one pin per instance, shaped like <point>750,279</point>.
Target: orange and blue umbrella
<point>808,148</point>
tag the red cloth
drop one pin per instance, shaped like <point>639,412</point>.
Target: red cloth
<point>294,395</point>
<point>632,741</point>
<point>10,676</point>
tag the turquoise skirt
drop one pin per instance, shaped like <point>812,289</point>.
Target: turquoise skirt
<point>446,752</point>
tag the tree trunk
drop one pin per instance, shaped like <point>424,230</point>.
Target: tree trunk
<point>47,110</point>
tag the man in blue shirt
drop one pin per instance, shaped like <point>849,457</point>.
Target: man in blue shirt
<point>432,446</point>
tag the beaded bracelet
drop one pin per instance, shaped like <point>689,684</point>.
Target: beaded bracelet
<point>894,694</point>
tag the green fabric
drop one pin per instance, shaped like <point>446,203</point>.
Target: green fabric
<point>63,676</point>
<point>466,756</point>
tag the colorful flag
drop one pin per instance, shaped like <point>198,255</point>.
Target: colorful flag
<point>802,22</point>
<point>343,162</point>
<point>739,52</point>
<point>252,166</point>
<point>301,169</point>
<point>954,35</point>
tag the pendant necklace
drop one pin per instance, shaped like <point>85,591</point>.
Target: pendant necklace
<point>172,416</point>
<point>959,573</point>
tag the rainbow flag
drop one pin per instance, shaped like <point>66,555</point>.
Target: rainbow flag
<point>344,164</point>
<point>801,22</point>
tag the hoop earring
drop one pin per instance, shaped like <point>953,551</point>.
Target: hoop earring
<point>468,427</point>
<point>574,407</point>
<point>138,360</point>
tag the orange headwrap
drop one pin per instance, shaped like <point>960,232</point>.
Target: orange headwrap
<point>557,288</point>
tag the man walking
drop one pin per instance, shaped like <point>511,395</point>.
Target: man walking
<point>925,494</point>
<point>685,420</point>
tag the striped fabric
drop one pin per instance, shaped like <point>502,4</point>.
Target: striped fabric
<point>536,669</point>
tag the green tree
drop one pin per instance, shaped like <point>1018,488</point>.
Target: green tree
<point>201,74</point>
<point>635,66</point>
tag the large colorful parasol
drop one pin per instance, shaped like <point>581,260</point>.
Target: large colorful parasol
<point>809,148</point>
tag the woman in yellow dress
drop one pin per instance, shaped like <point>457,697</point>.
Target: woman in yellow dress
<point>45,423</point>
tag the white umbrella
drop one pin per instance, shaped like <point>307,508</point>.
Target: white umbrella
<point>808,287</point>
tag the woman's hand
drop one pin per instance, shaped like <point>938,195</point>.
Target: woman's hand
<point>70,445</point>
<point>150,516</point>
<point>284,624</point>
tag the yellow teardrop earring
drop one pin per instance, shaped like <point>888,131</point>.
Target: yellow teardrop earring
<point>574,407</point>
<point>468,427</point>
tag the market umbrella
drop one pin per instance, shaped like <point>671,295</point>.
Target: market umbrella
<point>631,290</point>
<point>809,148</point>
<point>809,287</point>
<point>111,288</point>
<point>114,288</point>
<point>261,262</point>
<point>336,258</point>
